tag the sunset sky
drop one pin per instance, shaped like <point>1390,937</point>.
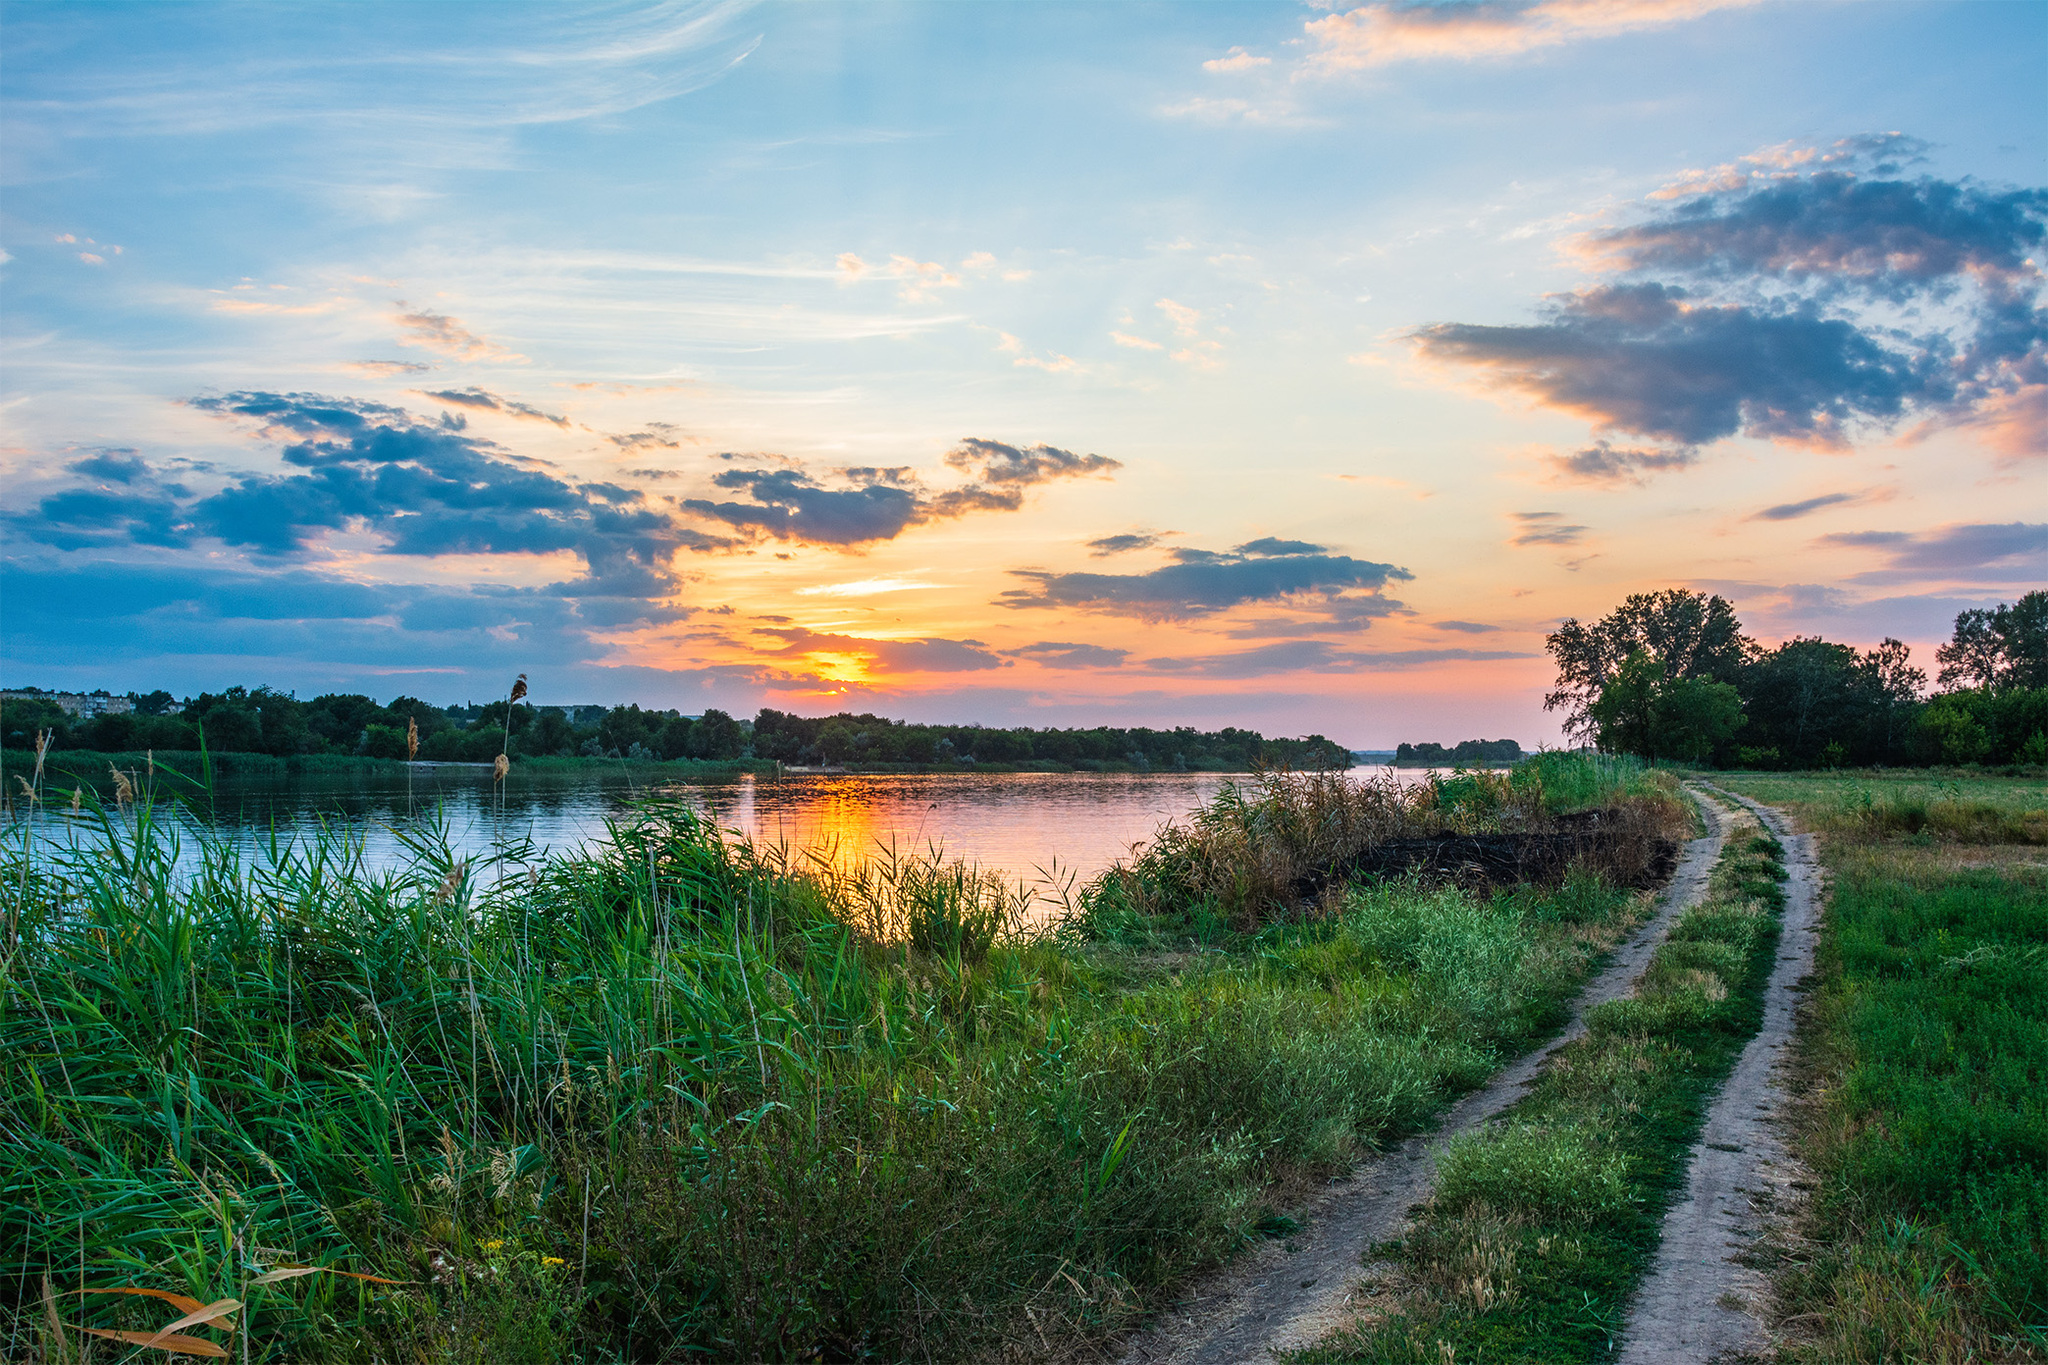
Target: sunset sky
<point>1291,367</point>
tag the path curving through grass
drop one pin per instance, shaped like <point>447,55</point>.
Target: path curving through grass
<point>1290,1294</point>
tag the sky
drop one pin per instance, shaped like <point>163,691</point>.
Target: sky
<point>1294,367</point>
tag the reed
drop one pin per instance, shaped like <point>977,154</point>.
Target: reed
<point>683,1094</point>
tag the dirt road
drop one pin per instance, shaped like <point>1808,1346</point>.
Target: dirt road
<point>1697,1304</point>
<point>1276,1300</point>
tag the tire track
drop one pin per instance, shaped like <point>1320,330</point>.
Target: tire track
<point>1272,1300</point>
<point>1698,1304</point>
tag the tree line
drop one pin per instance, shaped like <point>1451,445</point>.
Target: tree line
<point>263,720</point>
<point>1671,676</point>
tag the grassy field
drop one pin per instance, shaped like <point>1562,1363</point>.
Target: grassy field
<point>684,1097</point>
<point>1926,1039</point>
<point>1541,1225</point>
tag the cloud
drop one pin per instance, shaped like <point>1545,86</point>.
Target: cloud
<point>926,655</point>
<point>1135,342</point>
<point>1268,546</point>
<point>1002,472</point>
<point>1467,627</point>
<point>918,278</point>
<point>1186,321</point>
<point>1106,546</point>
<point>439,332</point>
<point>1065,654</point>
<point>1379,34</point>
<point>423,488</point>
<point>790,505</point>
<point>1603,463</point>
<point>383,368</point>
<point>1890,237</point>
<point>116,466</point>
<point>658,436</point>
<point>1293,656</point>
<point>1784,309</point>
<point>1546,528</point>
<point>1203,583</point>
<point>1238,60</point>
<point>880,504</point>
<point>1650,359</point>
<point>1791,511</point>
<point>1975,552</point>
<point>483,400</point>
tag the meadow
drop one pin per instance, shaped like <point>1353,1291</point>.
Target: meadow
<point>1926,1057</point>
<point>683,1095</point>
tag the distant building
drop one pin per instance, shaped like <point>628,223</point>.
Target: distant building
<point>81,704</point>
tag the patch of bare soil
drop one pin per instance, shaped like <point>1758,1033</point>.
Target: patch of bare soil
<point>1290,1294</point>
<point>1708,1296</point>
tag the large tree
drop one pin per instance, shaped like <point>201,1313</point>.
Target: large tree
<point>1684,636</point>
<point>2000,647</point>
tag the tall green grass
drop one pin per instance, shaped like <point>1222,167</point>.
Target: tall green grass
<point>1930,1027</point>
<point>682,1095</point>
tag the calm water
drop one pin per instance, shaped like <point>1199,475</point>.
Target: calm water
<point>1022,824</point>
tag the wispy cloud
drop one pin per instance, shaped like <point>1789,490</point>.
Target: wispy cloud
<point>1546,528</point>
<point>483,400</point>
<point>1418,30</point>
<point>439,332</point>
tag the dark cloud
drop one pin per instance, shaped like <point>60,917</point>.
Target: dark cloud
<point>1791,511</point>
<point>1118,545</point>
<point>895,656</point>
<point>116,466</point>
<point>1892,237</point>
<point>1467,627</point>
<point>1268,546</point>
<point>1063,654</point>
<point>790,505</point>
<point>1546,528</point>
<point>1319,655</point>
<point>1653,359</point>
<point>880,503</point>
<point>426,488</point>
<point>1603,463</point>
<point>484,400</point>
<point>1204,583</point>
<point>1777,314</point>
<point>1980,552</point>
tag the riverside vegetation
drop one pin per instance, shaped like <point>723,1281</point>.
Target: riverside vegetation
<point>683,1095</point>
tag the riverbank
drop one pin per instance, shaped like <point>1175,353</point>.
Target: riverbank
<point>683,1094</point>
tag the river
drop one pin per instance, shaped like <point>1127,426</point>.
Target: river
<point>1030,827</point>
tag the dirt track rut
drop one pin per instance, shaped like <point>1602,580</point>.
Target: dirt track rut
<point>1272,1300</point>
<point>1698,1304</point>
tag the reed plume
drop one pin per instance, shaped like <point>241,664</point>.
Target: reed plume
<point>412,738</point>
<point>124,790</point>
<point>504,763</point>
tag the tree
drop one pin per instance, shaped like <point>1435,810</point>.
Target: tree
<point>1642,712</point>
<point>1684,634</point>
<point>1895,686</point>
<point>1999,647</point>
